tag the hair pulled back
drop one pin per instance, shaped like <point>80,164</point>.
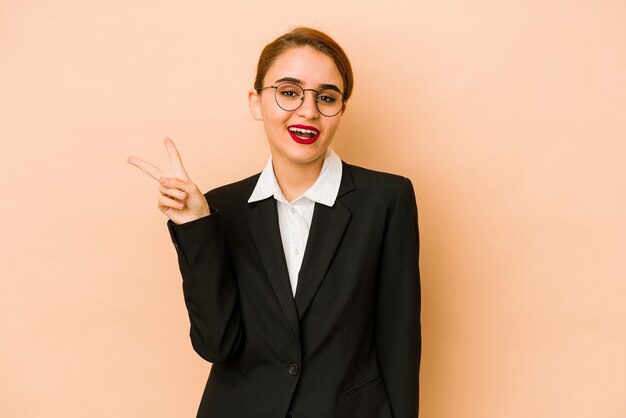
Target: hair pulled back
<point>304,36</point>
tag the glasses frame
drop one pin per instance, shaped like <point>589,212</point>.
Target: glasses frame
<point>317,92</point>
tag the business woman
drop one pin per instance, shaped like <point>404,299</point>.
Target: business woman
<point>302,281</point>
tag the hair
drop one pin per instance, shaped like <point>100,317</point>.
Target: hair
<point>304,36</point>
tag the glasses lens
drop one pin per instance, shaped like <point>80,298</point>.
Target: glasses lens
<point>289,96</point>
<point>329,102</point>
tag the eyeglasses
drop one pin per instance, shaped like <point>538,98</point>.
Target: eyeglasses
<point>290,96</point>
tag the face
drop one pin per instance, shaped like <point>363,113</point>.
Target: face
<point>292,136</point>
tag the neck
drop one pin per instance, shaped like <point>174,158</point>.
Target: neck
<point>294,178</point>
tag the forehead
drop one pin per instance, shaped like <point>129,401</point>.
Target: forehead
<point>305,63</point>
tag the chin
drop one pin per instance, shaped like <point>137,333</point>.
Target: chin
<point>304,154</point>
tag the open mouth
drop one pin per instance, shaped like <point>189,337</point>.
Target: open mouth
<point>303,134</point>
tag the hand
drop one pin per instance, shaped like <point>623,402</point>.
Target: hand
<point>181,200</point>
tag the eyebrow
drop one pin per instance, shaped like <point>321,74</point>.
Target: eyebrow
<point>298,81</point>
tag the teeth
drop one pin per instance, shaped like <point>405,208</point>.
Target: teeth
<point>303,131</point>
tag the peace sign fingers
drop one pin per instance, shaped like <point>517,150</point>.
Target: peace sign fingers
<point>176,163</point>
<point>180,199</point>
<point>146,167</point>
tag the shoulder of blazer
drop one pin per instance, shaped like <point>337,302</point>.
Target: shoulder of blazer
<point>378,183</point>
<point>354,177</point>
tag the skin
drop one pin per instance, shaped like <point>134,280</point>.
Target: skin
<point>296,166</point>
<point>181,200</point>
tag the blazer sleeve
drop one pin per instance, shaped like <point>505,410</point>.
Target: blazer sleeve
<point>398,331</point>
<point>209,288</point>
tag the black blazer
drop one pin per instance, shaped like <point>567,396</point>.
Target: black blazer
<point>348,345</point>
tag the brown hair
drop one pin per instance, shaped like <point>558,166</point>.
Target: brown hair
<point>303,36</point>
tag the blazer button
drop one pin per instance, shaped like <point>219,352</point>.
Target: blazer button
<point>293,369</point>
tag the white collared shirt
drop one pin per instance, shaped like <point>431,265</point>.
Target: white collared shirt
<point>294,218</point>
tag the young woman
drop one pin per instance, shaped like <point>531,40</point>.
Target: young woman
<point>301,282</point>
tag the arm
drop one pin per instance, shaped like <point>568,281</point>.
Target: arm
<point>398,334</point>
<point>209,288</point>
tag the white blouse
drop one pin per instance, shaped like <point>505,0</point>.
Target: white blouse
<point>294,218</point>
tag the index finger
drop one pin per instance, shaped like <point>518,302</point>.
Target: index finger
<point>175,161</point>
<point>146,167</point>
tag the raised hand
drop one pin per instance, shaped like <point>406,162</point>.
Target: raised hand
<point>180,200</point>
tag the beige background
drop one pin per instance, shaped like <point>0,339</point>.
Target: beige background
<point>508,115</point>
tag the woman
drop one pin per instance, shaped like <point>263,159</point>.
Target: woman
<point>301,282</point>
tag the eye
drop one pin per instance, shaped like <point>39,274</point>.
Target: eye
<point>289,93</point>
<point>327,97</point>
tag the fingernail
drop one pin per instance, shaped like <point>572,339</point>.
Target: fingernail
<point>162,180</point>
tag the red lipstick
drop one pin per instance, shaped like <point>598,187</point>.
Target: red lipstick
<point>303,134</point>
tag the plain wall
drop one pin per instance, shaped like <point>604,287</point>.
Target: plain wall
<point>509,116</point>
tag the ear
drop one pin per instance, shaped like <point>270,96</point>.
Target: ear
<point>254,101</point>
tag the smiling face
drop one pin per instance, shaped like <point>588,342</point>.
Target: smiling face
<point>302,136</point>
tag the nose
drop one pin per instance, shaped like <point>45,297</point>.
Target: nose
<point>308,108</point>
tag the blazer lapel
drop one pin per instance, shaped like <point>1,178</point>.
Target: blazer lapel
<point>263,224</point>
<point>327,228</point>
